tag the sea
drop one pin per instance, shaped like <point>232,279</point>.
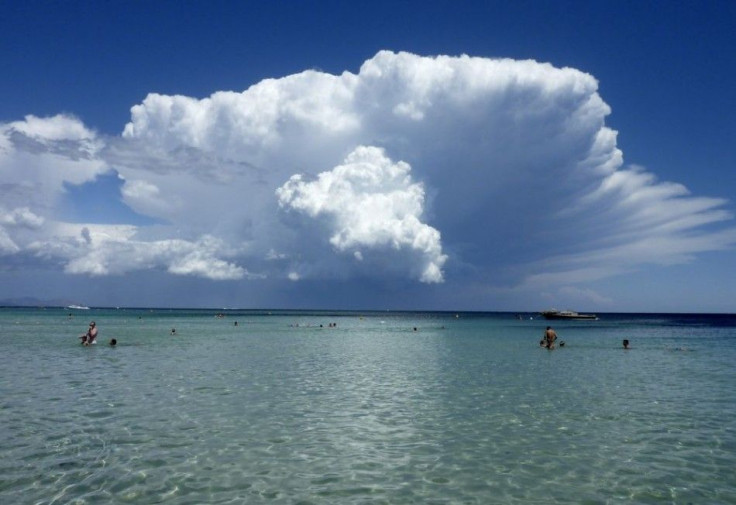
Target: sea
<point>332,407</point>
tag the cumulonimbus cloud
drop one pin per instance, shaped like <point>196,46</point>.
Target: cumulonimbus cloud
<point>480,170</point>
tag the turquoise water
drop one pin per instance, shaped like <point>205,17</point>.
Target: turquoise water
<point>280,410</point>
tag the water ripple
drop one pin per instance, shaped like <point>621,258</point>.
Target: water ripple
<point>369,412</point>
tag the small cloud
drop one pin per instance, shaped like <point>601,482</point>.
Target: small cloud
<point>272,255</point>
<point>20,217</point>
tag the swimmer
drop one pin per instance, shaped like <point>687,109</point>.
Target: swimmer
<point>626,344</point>
<point>113,342</point>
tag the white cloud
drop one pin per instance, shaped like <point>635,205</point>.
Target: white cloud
<point>21,216</point>
<point>39,155</point>
<point>646,222</point>
<point>201,259</point>
<point>7,245</point>
<point>487,171</point>
<point>114,250</point>
<point>54,129</point>
<point>370,202</point>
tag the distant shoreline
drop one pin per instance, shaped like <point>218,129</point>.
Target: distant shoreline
<point>283,311</point>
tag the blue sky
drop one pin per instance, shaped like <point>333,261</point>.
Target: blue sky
<point>347,154</point>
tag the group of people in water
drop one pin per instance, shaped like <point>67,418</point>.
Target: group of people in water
<point>550,337</point>
<point>548,341</point>
<point>90,338</point>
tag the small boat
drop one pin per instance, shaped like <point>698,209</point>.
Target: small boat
<point>568,314</point>
<point>77,307</point>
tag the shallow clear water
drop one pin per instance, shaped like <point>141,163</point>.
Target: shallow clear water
<point>277,409</point>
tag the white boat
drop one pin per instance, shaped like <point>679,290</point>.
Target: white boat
<point>568,314</point>
<point>77,307</point>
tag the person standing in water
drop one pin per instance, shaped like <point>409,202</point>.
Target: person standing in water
<point>89,337</point>
<point>550,336</point>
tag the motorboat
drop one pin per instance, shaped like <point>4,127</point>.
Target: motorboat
<point>568,314</point>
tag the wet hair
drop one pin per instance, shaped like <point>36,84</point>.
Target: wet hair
<point>626,342</point>
<point>113,342</point>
